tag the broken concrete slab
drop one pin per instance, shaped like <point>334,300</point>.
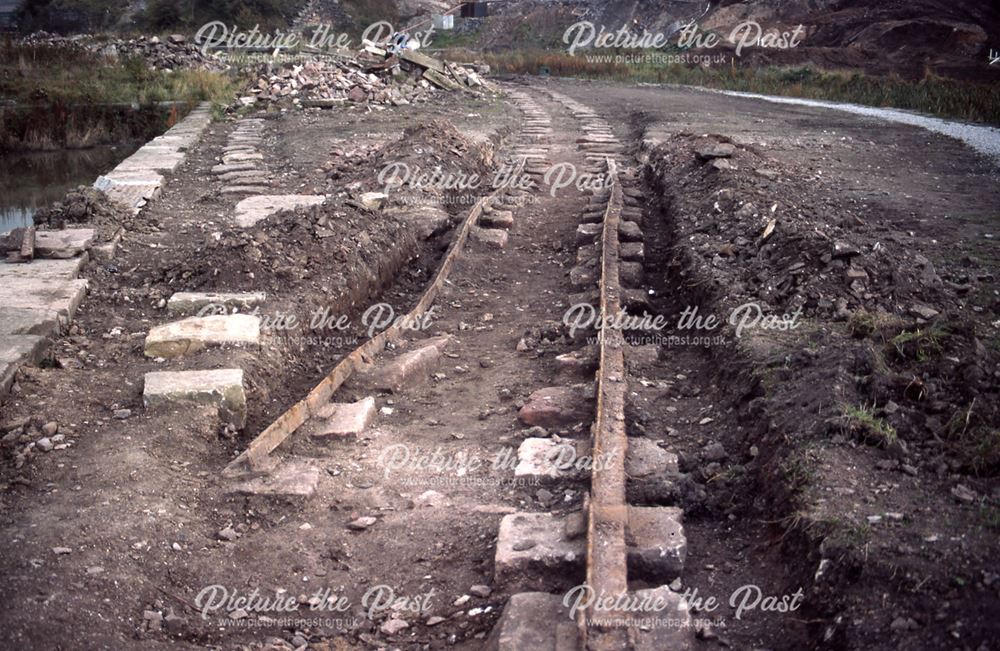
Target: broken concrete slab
<point>66,243</point>
<point>291,479</point>
<point>657,547</point>
<point>345,419</point>
<point>533,552</point>
<point>196,333</point>
<point>559,406</point>
<point>251,210</point>
<point>534,620</point>
<point>220,302</point>
<point>219,387</point>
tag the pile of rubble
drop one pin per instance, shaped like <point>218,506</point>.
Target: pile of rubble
<point>384,79</point>
<point>171,53</point>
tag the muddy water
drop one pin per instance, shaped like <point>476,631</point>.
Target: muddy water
<point>34,180</point>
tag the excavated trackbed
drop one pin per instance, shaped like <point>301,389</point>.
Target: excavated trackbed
<point>434,412</point>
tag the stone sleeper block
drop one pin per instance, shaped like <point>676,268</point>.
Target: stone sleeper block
<point>220,387</point>
<point>197,333</point>
<point>344,419</point>
<point>533,545</point>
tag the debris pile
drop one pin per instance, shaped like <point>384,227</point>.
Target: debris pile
<point>87,205</point>
<point>170,53</point>
<point>377,78</point>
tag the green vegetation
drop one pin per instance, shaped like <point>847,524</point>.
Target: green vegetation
<point>862,421</point>
<point>64,97</point>
<point>919,344</point>
<point>978,102</point>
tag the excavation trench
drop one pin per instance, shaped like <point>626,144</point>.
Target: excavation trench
<point>694,393</point>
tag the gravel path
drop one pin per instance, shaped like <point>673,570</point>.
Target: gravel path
<point>985,140</point>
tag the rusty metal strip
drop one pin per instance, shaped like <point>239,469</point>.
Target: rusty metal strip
<point>254,457</point>
<point>607,521</point>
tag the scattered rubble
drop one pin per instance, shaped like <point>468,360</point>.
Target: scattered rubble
<point>171,53</point>
<point>377,79</point>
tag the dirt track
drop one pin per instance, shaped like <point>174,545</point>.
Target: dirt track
<point>142,499</point>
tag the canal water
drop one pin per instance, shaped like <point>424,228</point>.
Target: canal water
<point>31,181</point>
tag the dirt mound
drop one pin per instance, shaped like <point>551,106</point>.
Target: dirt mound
<point>91,207</point>
<point>756,236</point>
<point>874,424</point>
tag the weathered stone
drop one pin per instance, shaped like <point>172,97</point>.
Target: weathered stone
<point>923,311</point>
<point>373,200</point>
<point>587,233</point>
<point>558,406</point>
<point>16,350</point>
<point>51,294</point>
<point>406,370</point>
<point>427,219</point>
<point>543,459</point>
<point>583,275</point>
<point>66,243</point>
<point>497,219</point>
<point>631,274</point>
<point>344,419</point>
<point>520,565</point>
<point>579,362</point>
<point>193,302</point>
<point>534,620</point>
<point>220,387</point>
<point>679,635</point>
<point>657,547</point>
<point>251,210</point>
<point>629,232</point>
<point>292,479</point>
<point>715,150</point>
<point>28,321</point>
<point>494,237</point>
<point>632,251</point>
<point>245,189</point>
<point>645,458</point>
<point>196,333</point>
